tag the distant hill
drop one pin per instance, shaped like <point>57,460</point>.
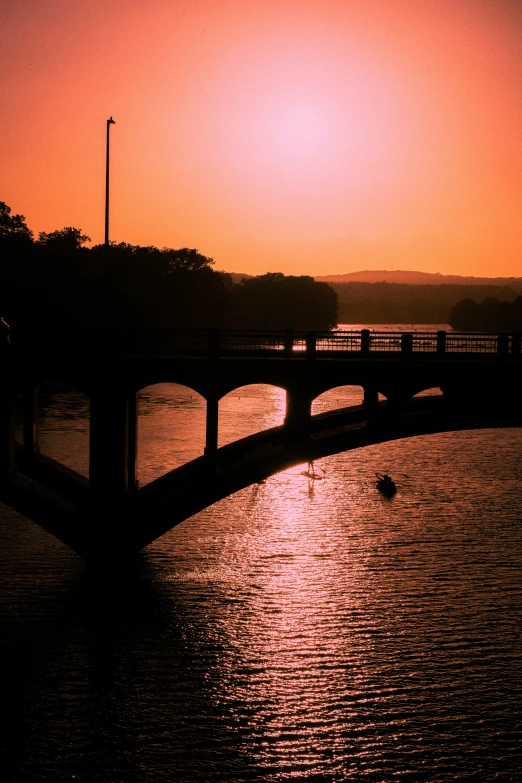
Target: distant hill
<point>419,278</point>
<point>407,278</point>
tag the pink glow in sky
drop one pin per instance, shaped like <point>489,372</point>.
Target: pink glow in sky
<point>304,137</point>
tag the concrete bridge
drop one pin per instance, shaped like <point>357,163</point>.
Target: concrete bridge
<point>107,518</point>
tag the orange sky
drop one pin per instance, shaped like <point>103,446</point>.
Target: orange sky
<point>308,137</point>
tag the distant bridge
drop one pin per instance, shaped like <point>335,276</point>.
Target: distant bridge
<point>106,518</point>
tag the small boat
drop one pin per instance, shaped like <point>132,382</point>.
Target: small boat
<point>385,484</point>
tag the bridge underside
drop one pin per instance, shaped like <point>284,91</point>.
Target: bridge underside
<point>176,496</point>
<point>61,501</point>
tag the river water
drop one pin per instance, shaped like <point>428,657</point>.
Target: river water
<point>297,630</point>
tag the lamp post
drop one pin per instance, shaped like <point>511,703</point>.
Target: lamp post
<point>110,122</point>
<point>106,271</point>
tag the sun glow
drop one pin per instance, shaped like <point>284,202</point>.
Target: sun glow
<point>301,131</point>
<point>302,137</point>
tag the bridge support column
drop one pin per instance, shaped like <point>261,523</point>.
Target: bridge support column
<point>370,397</point>
<point>112,458</point>
<point>298,415</point>
<point>397,401</point>
<point>7,427</point>
<point>211,438</point>
<point>30,398</point>
<point>132,443</point>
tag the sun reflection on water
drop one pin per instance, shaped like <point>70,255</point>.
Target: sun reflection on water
<point>293,659</point>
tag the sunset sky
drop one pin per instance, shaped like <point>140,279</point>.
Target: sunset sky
<point>308,137</point>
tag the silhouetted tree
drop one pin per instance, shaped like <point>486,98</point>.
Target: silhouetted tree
<point>58,283</point>
<point>13,227</point>
<point>64,241</point>
<point>409,303</point>
<point>16,250</point>
<point>490,316</point>
<point>164,288</point>
<point>276,301</point>
<point>516,312</point>
<point>465,314</point>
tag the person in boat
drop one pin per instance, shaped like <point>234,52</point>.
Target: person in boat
<point>385,483</point>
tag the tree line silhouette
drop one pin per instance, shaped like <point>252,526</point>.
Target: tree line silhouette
<point>491,315</point>
<point>411,303</point>
<point>56,282</point>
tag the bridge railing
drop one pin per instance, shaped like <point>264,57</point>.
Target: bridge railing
<point>334,342</point>
<point>440,342</point>
<point>259,341</point>
<point>265,343</point>
<point>461,342</point>
<point>301,344</point>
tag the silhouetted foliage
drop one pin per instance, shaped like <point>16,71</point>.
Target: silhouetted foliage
<point>57,283</point>
<point>13,227</point>
<point>375,303</point>
<point>163,288</point>
<point>490,316</point>
<point>66,240</point>
<point>276,301</point>
<point>16,255</point>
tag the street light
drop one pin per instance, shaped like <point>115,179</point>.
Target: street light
<point>110,122</point>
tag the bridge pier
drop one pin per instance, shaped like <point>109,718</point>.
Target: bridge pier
<point>211,432</point>
<point>7,427</point>
<point>370,397</point>
<point>298,418</point>
<point>132,442</point>
<point>112,461</point>
<point>30,407</point>
<point>397,400</point>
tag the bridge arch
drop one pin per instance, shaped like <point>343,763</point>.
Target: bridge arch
<point>344,396</point>
<point>248,409</point>
<point>338,397</point>
<point>142,383</point>
<point>63,426</point>
<point>54,425</point>
<point>431,391</point>
<point>170,428</point>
